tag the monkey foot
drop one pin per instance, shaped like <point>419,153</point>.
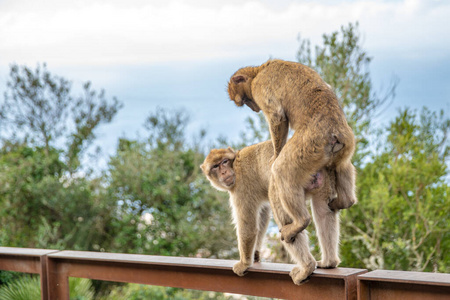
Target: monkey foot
<point>257,257</point>
<point>289,232</point>
<point>334,145</point>
<point>339,203</point>
<point>240,268</point>
<point>328,264</point>
<point>301,275</point>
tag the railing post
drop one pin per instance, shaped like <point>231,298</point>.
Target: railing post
<point>27,260</point>
<point>363,290</point>
<point>43,276</point>
<point>57,281</point>
<point>387,284</point>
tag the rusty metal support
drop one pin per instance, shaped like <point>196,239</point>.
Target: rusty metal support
<point>27,261</point>
<point>264,279</point>
<point>383,284</point>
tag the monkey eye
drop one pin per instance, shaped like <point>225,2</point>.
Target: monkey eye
<point>215,166</point>
<point>225,161</point>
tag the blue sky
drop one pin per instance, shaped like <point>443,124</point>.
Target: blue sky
<point>180,54</point>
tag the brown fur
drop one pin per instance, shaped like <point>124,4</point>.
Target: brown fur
<point>293,95</point>
<point>249,200</point>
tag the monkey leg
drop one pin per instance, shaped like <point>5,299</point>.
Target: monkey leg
<point>299,248</point>
<point>291,173</point>
<point>288,215</point>
<point>246,219</point>
<point>299,252</point>
<point>279,214</point>
<point>345,186</point>
<point>263,223</point>
<point>327,228</point>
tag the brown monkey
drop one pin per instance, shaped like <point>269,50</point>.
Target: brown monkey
<point>245,175</point>
<point>291,94</point>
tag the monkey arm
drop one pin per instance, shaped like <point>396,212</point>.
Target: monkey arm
<point>279,132</point>
<point>246,215</point>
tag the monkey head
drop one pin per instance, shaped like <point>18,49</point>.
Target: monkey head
<point>218,168</point>
<point>240,90</point>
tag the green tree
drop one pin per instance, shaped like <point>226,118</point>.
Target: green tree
<point>46,199</point>
<point>167,207</point>
<point>40,109</point>
<point>401,220</point>
<point>41,207</point>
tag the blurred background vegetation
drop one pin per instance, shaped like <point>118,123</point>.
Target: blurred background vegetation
<point>153,199</point>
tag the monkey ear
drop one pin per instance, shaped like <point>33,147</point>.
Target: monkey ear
<point>238,79</point>
<point>232,151</point>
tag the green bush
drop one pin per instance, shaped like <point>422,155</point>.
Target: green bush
<point>29,288</point>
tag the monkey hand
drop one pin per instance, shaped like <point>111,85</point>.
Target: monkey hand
<point>240,268</point>
<point>340,203</point>
<point>257,256</point>
<point>289,232</point>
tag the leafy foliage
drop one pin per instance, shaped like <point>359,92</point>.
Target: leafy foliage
<point>40,107</point>
<point>41,207</point>
<point>29,288</point>
<point>400,222</point>
<point>24,288</point>
<point>47,200</point>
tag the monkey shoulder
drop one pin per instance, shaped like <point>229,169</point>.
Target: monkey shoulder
<point>252,164</point>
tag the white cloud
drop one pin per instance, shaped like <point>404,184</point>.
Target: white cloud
<point>112,32</point>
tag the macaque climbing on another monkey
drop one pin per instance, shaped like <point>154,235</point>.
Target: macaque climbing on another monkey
<point>293,95</point>
<point>245,175</point>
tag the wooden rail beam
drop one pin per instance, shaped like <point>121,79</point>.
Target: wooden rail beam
<point>27,261</point>
<point>264,279</point>
<point>383,284</point>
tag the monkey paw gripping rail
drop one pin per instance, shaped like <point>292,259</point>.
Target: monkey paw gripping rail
<point>264,279</point>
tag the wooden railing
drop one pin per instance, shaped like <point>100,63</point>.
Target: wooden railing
<point>263,279</point>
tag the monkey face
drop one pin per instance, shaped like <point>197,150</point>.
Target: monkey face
<point>236,93</point>
<point>224,172</point>
<point>218,168</point>
<point>239,91</point>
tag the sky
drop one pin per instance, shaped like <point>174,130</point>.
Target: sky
<point>181,54</point>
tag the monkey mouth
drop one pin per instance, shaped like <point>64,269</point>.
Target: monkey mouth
<point>229,181</point>
<point>252,105</point>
